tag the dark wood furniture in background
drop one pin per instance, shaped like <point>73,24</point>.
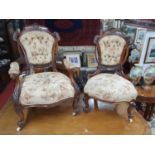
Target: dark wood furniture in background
<point>147,97</point>
<point>5,57</point>
<point>14,25</point>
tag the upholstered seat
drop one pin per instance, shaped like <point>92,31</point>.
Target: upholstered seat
<point>111,88</point>
<point>46,88</point>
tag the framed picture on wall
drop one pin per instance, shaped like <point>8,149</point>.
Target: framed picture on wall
<point>148,52</point>
<point>140,35</point>
<point>73,58</point>
<point>130,31</point>
<point>91,60</point>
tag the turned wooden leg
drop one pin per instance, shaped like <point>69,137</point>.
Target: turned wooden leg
<point>20,113</point>
<point>147,111</point>
<point>129,110</point>
<point>151,112</point>
<point>75,104</point>
<point>86,102</point>
<point>95,105</point>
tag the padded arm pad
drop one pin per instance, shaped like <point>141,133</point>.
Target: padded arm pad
<point>14,69</point>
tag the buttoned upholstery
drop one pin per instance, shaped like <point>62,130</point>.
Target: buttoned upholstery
<point>38,46</point>
<point>111,47</point>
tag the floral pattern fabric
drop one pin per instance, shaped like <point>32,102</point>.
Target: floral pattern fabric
<point>111,49</point>
<point>38,46</point>
<point>110,87</point>
<point>46,88</point>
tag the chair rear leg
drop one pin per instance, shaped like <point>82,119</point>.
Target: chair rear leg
<point>129,110</point>
<point>86,102</point>
<point>75,104</point>
<point>96,105</point>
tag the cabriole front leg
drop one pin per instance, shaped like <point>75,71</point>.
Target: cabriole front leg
<point>20,113</point>
<point>18,107</point>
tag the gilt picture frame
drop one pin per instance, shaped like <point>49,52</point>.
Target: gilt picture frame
<point>91,60</point>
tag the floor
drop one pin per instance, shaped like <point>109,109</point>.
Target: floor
<point>58,120</point>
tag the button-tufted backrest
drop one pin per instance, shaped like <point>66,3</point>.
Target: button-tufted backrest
<point>37,46</point>
<point>111,48</point>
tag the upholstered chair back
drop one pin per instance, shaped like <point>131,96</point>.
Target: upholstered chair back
<point>38,46</point>
<point>111,48</point>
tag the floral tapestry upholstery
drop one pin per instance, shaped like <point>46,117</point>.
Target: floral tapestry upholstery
<point>14,68</point>
<point>111,47</point>
<point>46,88</point>
<point>38,46</point>
<point>110,87</point>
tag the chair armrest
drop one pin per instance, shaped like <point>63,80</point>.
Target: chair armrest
<point>73,72</point>
<point>14,70</point>
<point>68,65</point>
<point>71,68</point>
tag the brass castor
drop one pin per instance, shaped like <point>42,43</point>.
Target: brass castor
<point>130,120</point>
<point>18,129</point>
<point>74,113</point>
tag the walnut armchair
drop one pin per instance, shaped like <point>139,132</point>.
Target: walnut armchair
<point>109,83</point>
<point>40,84</point>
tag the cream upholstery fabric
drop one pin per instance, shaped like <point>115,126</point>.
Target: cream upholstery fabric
<point>38,46</point>
<point>14,68</point>
<point>46,88</point>
<point>111,49</point>
<point>110,87</point>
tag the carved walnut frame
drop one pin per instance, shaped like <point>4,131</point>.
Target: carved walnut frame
<point>101,68</point>
<point>19,108</point>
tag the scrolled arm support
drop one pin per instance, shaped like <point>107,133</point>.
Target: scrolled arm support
<point>73,71</point>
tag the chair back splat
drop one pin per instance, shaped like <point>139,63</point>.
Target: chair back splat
<point>111,50</point>
<point>39,47</point>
